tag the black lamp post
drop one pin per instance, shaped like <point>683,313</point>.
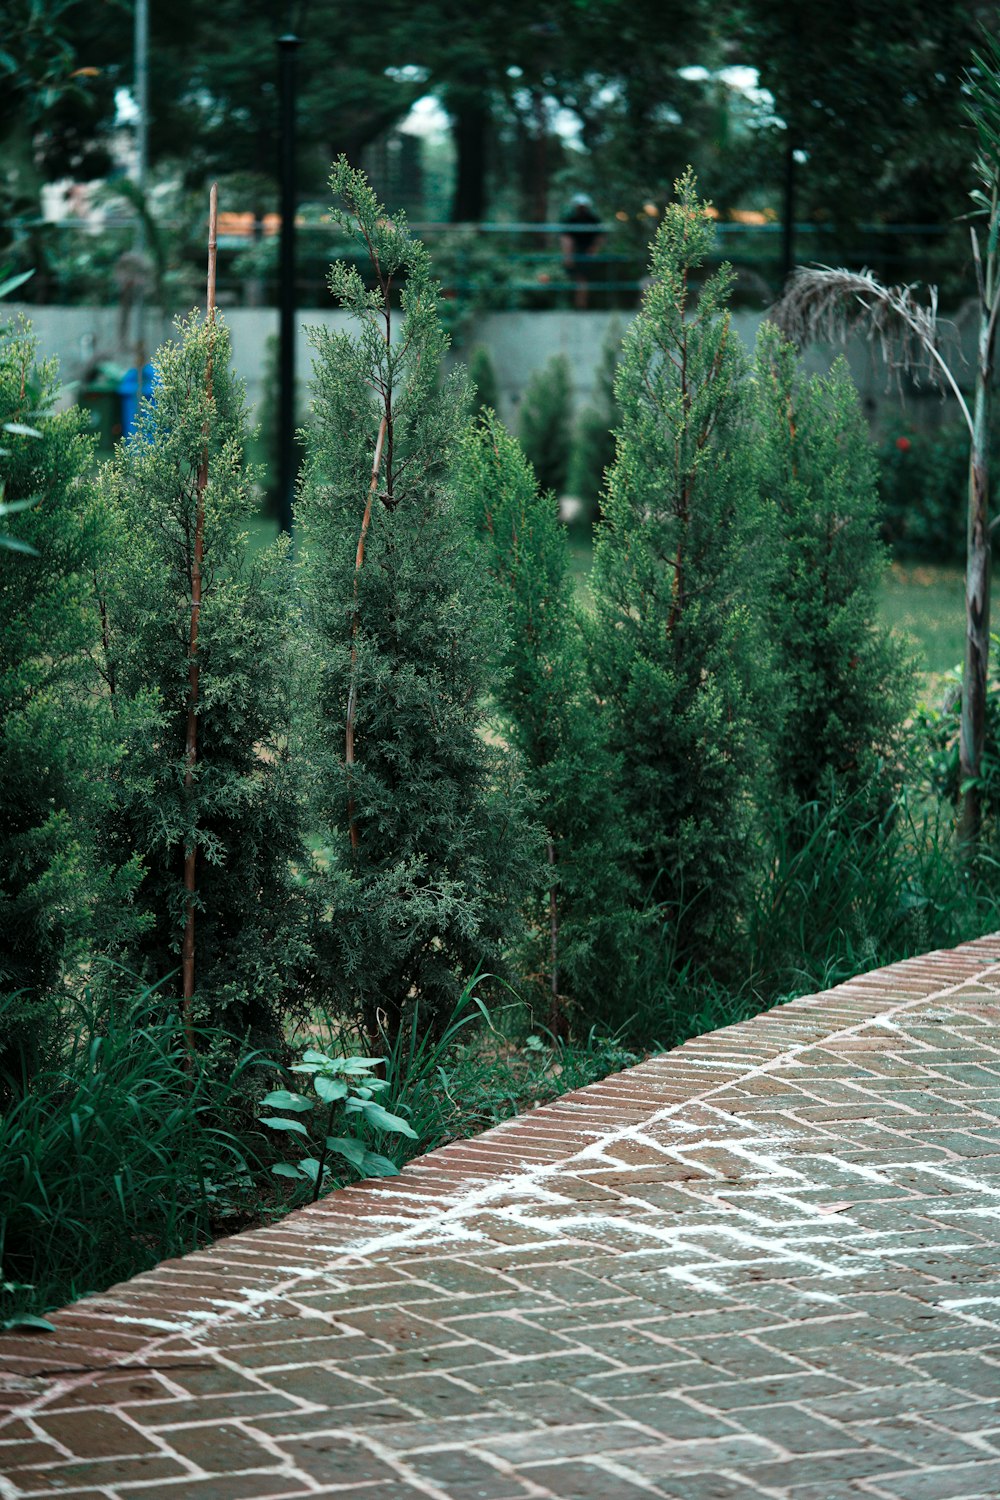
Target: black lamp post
<point>287,48</point>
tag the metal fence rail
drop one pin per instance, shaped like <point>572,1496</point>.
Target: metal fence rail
<point>492,265</point>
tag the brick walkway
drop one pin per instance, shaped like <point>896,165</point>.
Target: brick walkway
<point>765,1264</point>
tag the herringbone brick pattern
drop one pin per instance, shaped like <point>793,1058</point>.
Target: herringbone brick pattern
<point>764,1265</point>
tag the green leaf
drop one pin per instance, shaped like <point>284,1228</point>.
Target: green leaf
<point>347,1147</point>
<point>275,1123</point>
<point>377,1115</point>
<point>310,1167</point>
<point>28,1320</point>
<point>283,1169</point>
<point>330,1089</point>
<point>378,1166</point>
<point>312,1056</point>
<point>282,1099</point>
<point>13,282</point>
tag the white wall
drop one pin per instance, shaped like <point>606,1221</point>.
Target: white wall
<point>518,342</point>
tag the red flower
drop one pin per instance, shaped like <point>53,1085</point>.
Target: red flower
<point>903,444</point>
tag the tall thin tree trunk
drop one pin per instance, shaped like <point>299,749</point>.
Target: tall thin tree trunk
<point>972,736</point>
<point>977,599</point>
<point>471,114</point>
<point>789,209</point>
<point>194,666</point>
<point>540,163</point>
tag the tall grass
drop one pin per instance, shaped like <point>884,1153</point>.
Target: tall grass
<point>845,894</point>
<point>840,891</point>
<point>124,1152</point>
<point>488,1063</point>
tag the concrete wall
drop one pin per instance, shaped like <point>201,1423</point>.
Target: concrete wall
<point>519,343</point>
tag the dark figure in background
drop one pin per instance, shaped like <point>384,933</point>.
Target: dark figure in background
<point>580,245</point>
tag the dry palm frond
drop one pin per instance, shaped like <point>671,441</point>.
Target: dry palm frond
<point>823,304</point>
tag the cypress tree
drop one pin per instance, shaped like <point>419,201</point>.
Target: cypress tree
<point>427,850</point>
<point>546,425</point>
<point>848,683</point>
<point>55,895</point>
<point>483,378</point>
<point>583,927</point>
<point>197,661</point>
<point>677,654</point>
<point>594,446</point>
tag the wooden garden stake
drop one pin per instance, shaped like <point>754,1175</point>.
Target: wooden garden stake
<point>352,697</point>
<point>191,744</point>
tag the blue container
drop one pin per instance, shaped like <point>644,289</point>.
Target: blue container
<point>128,390</point>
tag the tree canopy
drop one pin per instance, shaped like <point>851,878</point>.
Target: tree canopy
<point>857,117</point>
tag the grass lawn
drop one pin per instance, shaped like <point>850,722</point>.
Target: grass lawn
<point>927,604</point>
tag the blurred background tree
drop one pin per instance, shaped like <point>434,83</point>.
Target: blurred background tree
<point>850,119</point>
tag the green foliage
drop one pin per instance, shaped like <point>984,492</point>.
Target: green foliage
<point>343,1086</point>
<point>923,476</point>
<point>937,742</point>
<point>483,379</point>
<point>678,656</point>
<point>582,927</point>
<point>848,685</point>
<point>241,812</point>
<point>876,110</point>
<point>481,1067</point>
<point>55,896</point>
<point>14,543</point>
<point>546,424</point>
<point>121,1152</point>
<point>850,888</point>
<point>477,276</point>
<point>426,853</point>
<point>846,889</point>
<point>594,443</point>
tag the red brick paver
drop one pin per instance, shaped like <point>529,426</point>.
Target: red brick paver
<point>764,1265</point>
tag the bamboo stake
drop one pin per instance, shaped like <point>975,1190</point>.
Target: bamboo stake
<point>194,671</point>
<point>557,1021</point>
<point>352,697</point>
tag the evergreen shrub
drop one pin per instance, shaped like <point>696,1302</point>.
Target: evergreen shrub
<point>238,810</point>
<point>426,849</point>
<point>582,930</point>
<point>546,424</point>
<point>679,656</point>
<point>847,685</point>
<point>56,896</point>
<point>594,442</point>
<point>483,379</point>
